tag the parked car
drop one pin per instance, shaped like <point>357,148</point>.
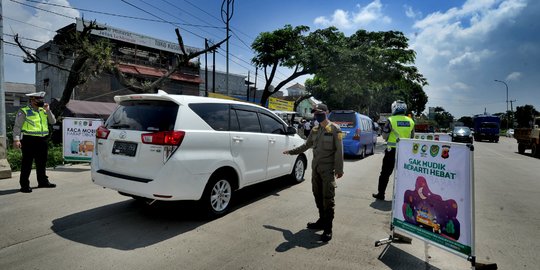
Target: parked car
<point>176,147</point>
<point>360,137</point>
<point>462,134</point>
<point>510,132</point>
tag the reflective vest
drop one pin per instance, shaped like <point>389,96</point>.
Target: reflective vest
<point>402,126</point>
<point>36,123</point>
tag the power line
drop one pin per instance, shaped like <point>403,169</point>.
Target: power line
<point>151,14</point>
<point>19,21</point>
<point>42,9</point>
<point>111,14</point>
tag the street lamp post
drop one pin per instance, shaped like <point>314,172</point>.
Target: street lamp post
<point>507,118</point>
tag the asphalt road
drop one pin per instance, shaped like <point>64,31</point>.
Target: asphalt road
<point>79,225</point>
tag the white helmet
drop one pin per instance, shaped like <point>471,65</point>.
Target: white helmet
<point>399,107</point>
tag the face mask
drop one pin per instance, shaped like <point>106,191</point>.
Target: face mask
<point>40,103</point>
<point>320,117</point>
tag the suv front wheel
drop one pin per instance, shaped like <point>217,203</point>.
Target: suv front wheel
<point>297,174</point>
<point>217,196</point>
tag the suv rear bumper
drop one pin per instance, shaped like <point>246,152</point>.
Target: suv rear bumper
<point>166,186</point>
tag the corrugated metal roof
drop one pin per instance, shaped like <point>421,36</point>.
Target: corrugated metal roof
<point>22,88</point>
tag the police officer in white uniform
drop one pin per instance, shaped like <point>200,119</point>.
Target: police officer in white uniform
<point>30,133</point>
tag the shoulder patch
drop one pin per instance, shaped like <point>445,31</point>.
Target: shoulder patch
<point>341,135</point>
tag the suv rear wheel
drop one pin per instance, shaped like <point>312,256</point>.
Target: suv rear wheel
<point>217,196</point>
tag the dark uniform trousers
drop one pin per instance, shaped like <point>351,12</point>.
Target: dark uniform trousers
<point>388,163</point>
<point>323,187</point>
<point>33,147</point>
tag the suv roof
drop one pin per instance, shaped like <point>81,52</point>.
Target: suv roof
<point>162,95</point>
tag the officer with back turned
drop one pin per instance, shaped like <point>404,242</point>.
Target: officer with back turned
<point>30,134</point>
<point>398,126</point>
<point>327,142</point>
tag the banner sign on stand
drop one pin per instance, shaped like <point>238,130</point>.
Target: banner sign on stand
<point>443,137</point>
<point>79,138</point>
<point>433,194</point>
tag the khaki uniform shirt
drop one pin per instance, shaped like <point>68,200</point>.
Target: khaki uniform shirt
<point>327,143</point>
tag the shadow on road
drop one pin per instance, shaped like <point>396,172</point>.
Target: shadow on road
<point>381,205</point>
<point>126,225</point>
<point>131,224</point>
<point>8,191</point>
<point>397,259</point>
<point>305,238</point>
<point>71,169</point>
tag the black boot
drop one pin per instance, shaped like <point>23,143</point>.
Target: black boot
<point>378,196</point>
<point>318,225</point>
<point>327,235</point>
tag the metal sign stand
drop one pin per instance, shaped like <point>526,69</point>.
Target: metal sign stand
<point>398,238</point>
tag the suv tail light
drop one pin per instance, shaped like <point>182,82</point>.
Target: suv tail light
<point>356,136</point>
<point>102,132</point>
<point>173,137</point>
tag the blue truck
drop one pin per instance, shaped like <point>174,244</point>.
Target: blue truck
<point>486,127</point>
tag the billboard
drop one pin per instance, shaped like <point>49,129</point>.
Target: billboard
<point>433,191</point>
<point>280,104</point>
<point>79,138</point>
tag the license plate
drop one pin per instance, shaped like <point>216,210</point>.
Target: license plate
<point>124,148</point>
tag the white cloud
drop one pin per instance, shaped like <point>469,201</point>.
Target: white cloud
<point>411,13</point>
<point>470,58</point>
<point>31,24</point>
<point>348,20</point>
<point>514,76</point>
<point>463,44</point>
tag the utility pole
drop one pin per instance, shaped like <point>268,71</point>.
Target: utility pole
<point>255,90</point>
<point>214,72</point>
<point>206,68</point>
<point>5,169</point>
<point>247,92</point>
<point>512,110</point>
<point>226,19</point>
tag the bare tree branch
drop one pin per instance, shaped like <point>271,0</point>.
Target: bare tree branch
<point>32,58</point>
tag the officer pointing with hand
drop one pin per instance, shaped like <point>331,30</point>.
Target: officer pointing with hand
<point>327,143</point>
<point>30,135</point>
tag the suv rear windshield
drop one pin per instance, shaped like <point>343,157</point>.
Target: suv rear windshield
<point>144,115</point>
<point>344,119</point>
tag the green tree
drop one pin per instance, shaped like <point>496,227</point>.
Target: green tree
<point>467,121</point>
<point>525,114</point>
<point>289,47</point>
<point>443,118</point>
<point>375,69</point>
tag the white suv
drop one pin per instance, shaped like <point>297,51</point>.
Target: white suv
<point>176,147</point>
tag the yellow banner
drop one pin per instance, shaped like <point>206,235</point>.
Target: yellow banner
<point>280,104</point>
<point>216,95</point>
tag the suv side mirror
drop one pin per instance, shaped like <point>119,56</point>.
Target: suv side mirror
<point>291,130</point>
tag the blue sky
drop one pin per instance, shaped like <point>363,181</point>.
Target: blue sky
<point>462,46</point>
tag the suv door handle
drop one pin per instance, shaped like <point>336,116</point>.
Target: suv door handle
<point>272,140</point>
<point>237,139</point>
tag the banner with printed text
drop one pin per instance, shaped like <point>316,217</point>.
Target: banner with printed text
<point>79,138</point>
<point>280,104</point>
<point>444,137</point>
<point>432,193</point>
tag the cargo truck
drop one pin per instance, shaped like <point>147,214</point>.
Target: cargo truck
<point>486,127</point>
<point>529,138</point>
